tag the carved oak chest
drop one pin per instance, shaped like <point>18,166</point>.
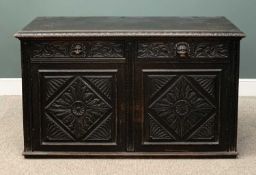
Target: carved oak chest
<point>130,86</point>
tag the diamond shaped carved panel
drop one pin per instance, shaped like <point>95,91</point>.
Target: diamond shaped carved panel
<point>80,108</point>
<point>183,110</point>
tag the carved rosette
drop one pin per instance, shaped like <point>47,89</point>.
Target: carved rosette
<point>79,112</point>
<point>181,112</point>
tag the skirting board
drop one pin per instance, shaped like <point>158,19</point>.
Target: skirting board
<point>12,86</point>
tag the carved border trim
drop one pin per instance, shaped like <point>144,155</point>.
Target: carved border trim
<point>102,33</point>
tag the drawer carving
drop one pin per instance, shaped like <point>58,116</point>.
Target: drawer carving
<point>154,50</point>
<point>179,111</point>
<point>53,49</point>
<point>83,49</point>
<point>78,108</point>
<point>106,49</point>
<point>208,50</point>
<point>175,50</point>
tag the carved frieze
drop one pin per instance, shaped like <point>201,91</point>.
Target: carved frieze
<point>174,50</point>
<point>209,50</point>
<point>153,49</point>
<point>83,49</point>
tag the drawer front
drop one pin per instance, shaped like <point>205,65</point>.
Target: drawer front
<point>184,50</point>
<point>181,108</point>
<point>75,50</point>
<point>78,108</point>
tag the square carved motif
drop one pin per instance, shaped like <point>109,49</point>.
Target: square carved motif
<point>78,108</point>
<point>182,108</point>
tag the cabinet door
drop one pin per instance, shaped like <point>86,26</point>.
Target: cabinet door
<point>181,107</point>
<point>78,107</point>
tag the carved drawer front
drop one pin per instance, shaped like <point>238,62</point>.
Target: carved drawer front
<point>77,49</point>
<point>183,50</point>
<point>181,107</point>
<point>79,108</point>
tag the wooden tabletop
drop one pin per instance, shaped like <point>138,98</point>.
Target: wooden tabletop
<point>129,26</point>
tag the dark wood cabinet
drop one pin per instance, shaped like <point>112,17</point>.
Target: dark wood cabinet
<point>130,87</point>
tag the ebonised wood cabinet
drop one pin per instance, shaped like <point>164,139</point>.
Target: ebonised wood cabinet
<point>130,86</point>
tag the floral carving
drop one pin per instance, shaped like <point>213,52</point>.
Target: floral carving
<point>182,107</point>
<point>53,49</point>
<point>66,49</point>
<point>106,49</point>
<point>182,50</point>
<point>153,50</point>
<point>211,50</point>
<point>79,108</point>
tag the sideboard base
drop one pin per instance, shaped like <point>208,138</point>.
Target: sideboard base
<point>39,154</point>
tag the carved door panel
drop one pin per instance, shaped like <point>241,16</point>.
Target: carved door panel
<point>82,108</point>
<point>178,107</point>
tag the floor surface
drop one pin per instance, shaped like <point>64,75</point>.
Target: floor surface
<point>12,161</point>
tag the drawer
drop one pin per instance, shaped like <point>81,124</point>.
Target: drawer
<point>184,50</point>
<point>76,50</point>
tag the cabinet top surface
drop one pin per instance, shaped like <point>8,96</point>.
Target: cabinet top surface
<point>129,26</point>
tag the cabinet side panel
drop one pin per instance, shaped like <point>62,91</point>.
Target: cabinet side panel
<point>26,95</point>
<point>234,86</point>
